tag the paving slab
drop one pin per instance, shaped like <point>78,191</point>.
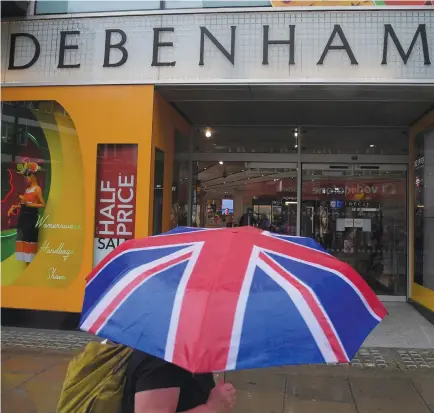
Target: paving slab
<point>383,405</point>
<point>373,388</point>
<point>425,387</point>
<point>18,401</point>
<point>258,392</point>
<point>325,389</point>
<point>315,406</point>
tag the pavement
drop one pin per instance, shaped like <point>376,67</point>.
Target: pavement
<point>392,373</point>
<point>32,381</point>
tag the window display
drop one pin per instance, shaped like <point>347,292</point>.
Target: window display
<point>42,210</point>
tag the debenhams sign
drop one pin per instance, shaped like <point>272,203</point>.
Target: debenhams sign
<point>352,46</point>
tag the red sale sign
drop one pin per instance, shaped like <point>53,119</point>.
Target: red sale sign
<point>115,197</point>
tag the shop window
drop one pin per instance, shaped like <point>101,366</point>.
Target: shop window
<point>158,191</point>
<point>61,7</point>
<point>42,196</point>
<point>424,209</point>
<point>198,4</point>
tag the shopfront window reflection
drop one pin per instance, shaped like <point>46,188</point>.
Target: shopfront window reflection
<point>198,4</point>
<point>60,7</point>
<point>424,209</point>
<point>358,214</point>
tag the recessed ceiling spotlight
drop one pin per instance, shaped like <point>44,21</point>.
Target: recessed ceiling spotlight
<point>208,133</point>
<point>372,145</point>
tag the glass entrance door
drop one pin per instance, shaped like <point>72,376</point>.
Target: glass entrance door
<point>358,214</point>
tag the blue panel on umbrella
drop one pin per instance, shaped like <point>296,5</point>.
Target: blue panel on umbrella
<point>351,319</point>
<point>181,230</point>
<point>303,241</point>
<point>277,334</point>
<point>115,270</point>
<point>143,320</point>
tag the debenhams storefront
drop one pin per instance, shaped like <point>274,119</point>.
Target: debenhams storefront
<point>304,119</point>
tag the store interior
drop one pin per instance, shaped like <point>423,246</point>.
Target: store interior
<point>330,163</point>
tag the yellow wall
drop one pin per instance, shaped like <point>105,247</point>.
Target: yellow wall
<point>165,123</point>
<point>422,295</point>
<point>101,114</point>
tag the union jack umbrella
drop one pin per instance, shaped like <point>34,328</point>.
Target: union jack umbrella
<point>211,300</point>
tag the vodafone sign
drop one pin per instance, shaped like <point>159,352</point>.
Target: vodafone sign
<point>372,189</point>
<point>388,188</point>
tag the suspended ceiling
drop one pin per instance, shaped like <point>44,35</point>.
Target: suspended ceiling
<point>372,106</point>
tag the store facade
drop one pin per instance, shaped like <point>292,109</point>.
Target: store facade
<point>91,101</point>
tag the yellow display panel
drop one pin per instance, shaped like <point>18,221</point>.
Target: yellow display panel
<point>71,122</point>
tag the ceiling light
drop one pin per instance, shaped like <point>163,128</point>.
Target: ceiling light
<point>295,146</point>
<point>208,133</point>
<point>372,145</point>
<point>295,134</point>
<point>221,162</point>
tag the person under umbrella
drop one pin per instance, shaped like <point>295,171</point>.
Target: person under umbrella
<point>156,386</point>
<point>200,301</point>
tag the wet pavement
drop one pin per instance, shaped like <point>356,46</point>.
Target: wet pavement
<point>32,381</point>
